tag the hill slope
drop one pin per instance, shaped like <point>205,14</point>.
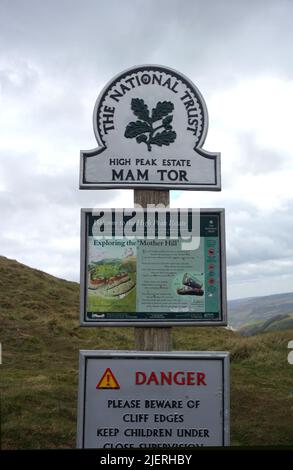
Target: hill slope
<point>41,337</point>
<point>276,323</point>
<point>256,309</point>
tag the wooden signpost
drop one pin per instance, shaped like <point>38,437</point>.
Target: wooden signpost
<point>150,123</point>
<point>152,339</point>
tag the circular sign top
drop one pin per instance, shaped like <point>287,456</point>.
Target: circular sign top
<point>152,105</point>
<point>150,123</point>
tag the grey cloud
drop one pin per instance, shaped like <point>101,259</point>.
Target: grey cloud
<point>261,237</point>
<point>71,49</point>
<point>199,37</point>
<point>259,279</point>
<point>23,181</point>
<point>40,214</point>
<point>18,78</point>
<point>252,235</point>
<point>255,159</point>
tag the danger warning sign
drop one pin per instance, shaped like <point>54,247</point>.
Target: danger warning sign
<point>108,380</point>
<point>153,399</point>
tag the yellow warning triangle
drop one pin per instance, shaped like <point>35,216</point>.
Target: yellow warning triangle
<point>108,380</point>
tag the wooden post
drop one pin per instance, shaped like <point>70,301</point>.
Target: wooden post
<point>146,338</point>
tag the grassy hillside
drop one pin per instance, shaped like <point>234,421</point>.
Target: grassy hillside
<point>41,337</point>
<point>255,309</point>
<point>276,323</point>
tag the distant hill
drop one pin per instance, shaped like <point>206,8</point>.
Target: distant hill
<point>41,339</point>
<point>258,309</point>
<point>276,323</point>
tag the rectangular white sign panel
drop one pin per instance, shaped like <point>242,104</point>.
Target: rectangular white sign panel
<point>151,400</point>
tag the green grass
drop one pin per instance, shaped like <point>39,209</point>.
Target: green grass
<point>41,339</point>
<point>282,324</point>
<point>276,323</point>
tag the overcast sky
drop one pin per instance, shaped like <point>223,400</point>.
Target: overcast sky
<point>57,55</point>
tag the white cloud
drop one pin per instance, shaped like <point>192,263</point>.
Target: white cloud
<point>261,107</point>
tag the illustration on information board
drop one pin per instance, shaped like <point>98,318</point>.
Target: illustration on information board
<point>191,286</point>
<point>112,278</point>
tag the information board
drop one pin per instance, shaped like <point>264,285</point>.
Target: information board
<point>153,266</point>
<point>153,400</point>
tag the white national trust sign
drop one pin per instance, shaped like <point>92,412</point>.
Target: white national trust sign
<point>150,123</point>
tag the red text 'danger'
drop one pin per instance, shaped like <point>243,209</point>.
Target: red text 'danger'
<point>170,378</point>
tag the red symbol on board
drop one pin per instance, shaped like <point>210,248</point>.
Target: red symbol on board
<point>108,380</point>
<point>211,251</point>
